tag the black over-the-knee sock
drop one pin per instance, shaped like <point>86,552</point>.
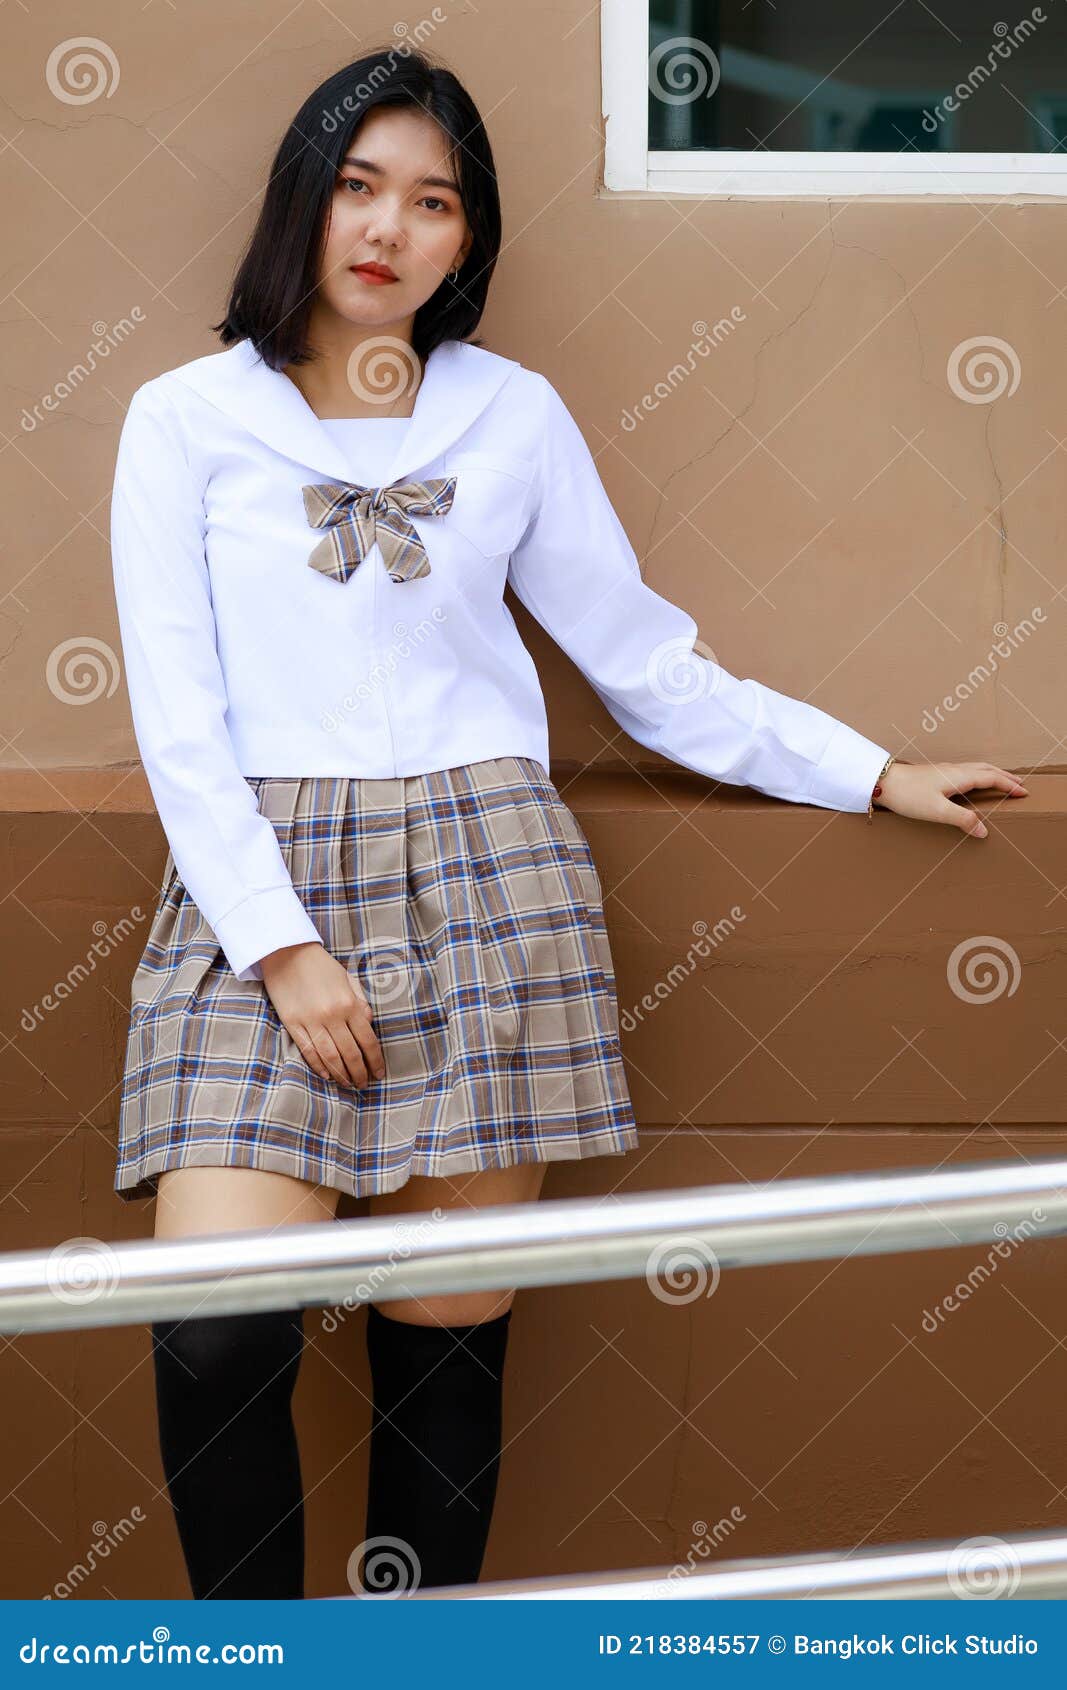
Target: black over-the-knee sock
<point>434,1449</point>
<point>224,1387</point>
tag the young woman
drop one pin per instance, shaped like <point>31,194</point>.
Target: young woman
<point>378,962</point>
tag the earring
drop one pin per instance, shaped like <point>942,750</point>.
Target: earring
<point>452,274</point>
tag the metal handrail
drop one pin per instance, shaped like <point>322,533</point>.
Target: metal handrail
<point>1031,1564</point>
<point>87,1283</point>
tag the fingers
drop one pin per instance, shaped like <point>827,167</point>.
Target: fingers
<point>331,1025</point>
<point>343,1046</point>
<point>349,1067</point>
<point>927,794</point>
<point>970,777</point>
<point>1004,782</point>
<point>303,1041</point>
<point>966,819</point>
<point>321,1054</point>
<point>364,1030</point>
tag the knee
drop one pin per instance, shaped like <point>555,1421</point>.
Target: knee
<point>467,1308</point>
<point>246,1351</point>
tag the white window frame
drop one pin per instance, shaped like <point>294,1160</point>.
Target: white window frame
<point>728,173</point>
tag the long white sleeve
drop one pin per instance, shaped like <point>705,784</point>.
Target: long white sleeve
<point>225,851</point>
<point>576,571</point>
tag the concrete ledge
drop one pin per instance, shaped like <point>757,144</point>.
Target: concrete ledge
<point>775,963</point>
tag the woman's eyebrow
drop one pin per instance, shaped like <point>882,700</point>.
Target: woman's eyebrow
<point>423,182</point>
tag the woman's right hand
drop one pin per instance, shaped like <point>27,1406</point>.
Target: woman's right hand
<point>325,1012</point>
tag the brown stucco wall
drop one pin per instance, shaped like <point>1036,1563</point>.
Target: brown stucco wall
<point>842,525</point>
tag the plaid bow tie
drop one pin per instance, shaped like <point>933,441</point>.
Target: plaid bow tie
<point>357,516</point>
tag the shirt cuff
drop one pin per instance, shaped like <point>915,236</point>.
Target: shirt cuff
<point>847,772</point>
<point>263,923</point>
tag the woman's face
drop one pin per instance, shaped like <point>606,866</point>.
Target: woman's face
<point>394,204</point>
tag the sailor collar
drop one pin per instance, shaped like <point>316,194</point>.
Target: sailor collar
<point>459,382</point>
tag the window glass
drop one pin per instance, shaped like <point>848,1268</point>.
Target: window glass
<point>838,75</point>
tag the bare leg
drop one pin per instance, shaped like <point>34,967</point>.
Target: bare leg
<point>192,1201</point>
<point>519,1184</point>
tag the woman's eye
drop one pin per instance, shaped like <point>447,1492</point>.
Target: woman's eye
<point>358,182</point>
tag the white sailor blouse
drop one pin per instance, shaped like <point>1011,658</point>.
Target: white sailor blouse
<point>279,618</point>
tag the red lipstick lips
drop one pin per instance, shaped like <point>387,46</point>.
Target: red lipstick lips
<point>372,272</point>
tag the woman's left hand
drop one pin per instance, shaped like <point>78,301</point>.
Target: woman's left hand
<point>924,792</point>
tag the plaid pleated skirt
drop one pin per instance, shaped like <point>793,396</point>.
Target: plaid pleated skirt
<point>467,904</point>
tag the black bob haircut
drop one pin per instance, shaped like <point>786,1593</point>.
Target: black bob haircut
<point>274,286</point>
